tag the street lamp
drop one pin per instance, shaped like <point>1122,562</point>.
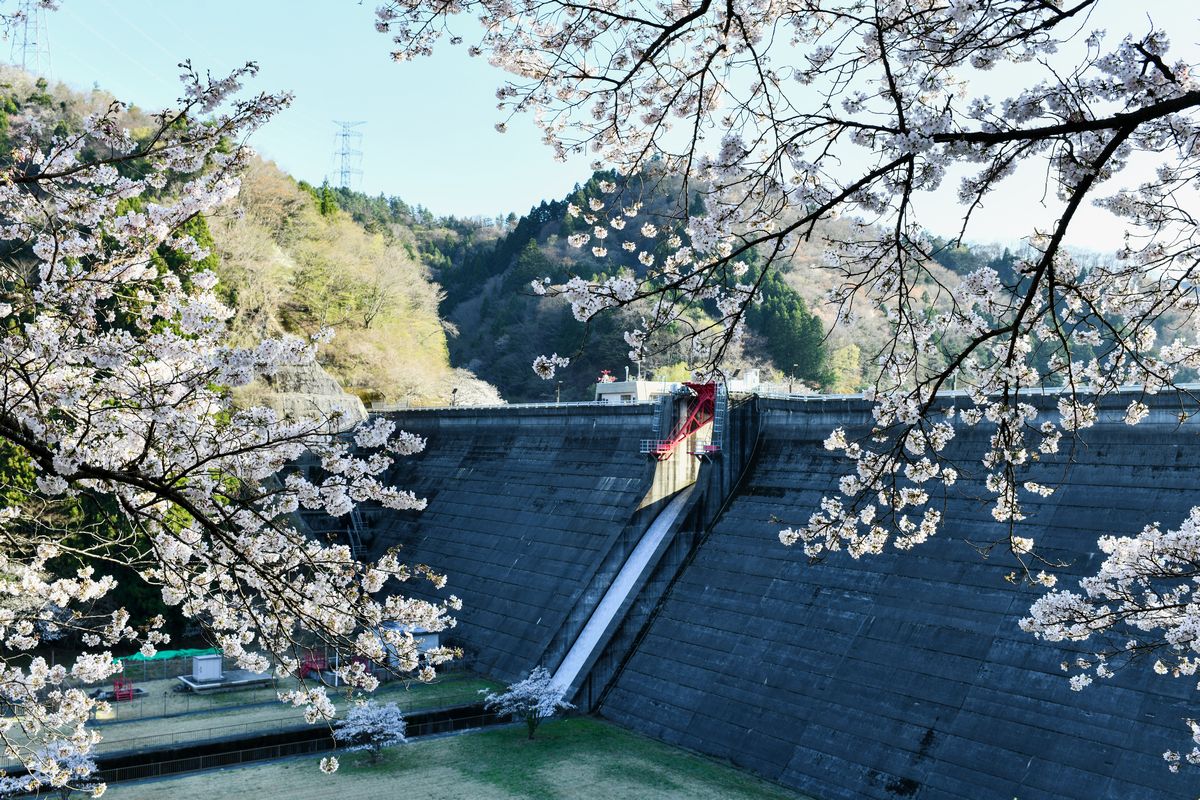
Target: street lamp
<point>558,392</point>
<point>792,377</point>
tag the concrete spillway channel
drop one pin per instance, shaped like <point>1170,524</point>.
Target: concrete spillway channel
<point>603,620</point>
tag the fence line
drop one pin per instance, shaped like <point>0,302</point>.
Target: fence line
<point>321,741</point>
<point>198,735</point>
<point>165,702</point>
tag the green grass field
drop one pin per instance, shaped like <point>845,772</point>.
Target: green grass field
<point>579,758</point>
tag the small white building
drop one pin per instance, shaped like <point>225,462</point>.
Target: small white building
<point>633,391</point>
<point>744,381</point>
<point>207,668</point>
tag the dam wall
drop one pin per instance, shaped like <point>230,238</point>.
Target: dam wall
<point>525,506</point>
<point>905,674</point>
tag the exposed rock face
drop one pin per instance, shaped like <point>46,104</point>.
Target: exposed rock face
<point>307,391</point>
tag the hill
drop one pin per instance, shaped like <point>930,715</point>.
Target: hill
<point>486,268</point>
<point>292,262</point>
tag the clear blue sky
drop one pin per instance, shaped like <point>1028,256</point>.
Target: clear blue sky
<point>429,135</point>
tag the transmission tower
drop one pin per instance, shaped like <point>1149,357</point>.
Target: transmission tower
<point>30,40</point>
<point>347,152</point>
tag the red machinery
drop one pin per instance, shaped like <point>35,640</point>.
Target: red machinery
<point>122,689</point>
<point>700,412</point>
<point>314,662</point>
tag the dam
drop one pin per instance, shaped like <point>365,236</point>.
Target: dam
<point>659,595</point>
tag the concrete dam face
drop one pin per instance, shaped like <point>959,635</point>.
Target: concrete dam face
<point>661,595</point>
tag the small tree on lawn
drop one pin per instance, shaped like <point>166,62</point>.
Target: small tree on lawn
<point>371,727</point>
<point>533,699</point>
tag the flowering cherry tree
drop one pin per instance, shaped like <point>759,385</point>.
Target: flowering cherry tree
<point>371,726</point>
<point>60,767</point>
<point>116,378</point>
<point>782,115</point>
<point>532,699</point>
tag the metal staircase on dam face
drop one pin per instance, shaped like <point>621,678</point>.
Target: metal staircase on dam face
<point>709,403</point>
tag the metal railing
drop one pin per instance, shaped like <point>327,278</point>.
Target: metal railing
<point>229,758</point>
<point>1048,391</point>
<point>191,736</point>
<point>720,419</point>
<point>319,740</point>
<point>387,407</point>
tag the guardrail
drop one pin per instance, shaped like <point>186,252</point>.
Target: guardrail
<point>296,738</point>
<point>387,407</point>
<point>1048,391</point>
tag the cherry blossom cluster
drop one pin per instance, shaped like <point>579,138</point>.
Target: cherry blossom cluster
<point>60,765</point>
<point>116,384</point>
<point>532,699</point>
<point>1144,590</point>
<point>676,283</point>
<point>545,366</point>
<point>370,726</point>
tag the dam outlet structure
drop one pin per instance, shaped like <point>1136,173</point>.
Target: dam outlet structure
<point>654,587</point>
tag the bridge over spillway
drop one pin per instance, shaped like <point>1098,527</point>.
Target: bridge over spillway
<point>658,592</point>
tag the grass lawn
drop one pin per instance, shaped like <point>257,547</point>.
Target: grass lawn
<point>579,758</point>
<point>224,717</point>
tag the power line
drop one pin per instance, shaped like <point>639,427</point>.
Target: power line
<point>347,152</point>
<point>30,38</point>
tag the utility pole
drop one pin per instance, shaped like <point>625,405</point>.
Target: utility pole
<point>347,151</point>
<point>30,48</point>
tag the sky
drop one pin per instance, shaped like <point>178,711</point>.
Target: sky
<point>428,135</point>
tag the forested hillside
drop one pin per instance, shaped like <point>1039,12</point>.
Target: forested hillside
<point>486,269</point>
<point>289,260</point>
<point>293,261</point>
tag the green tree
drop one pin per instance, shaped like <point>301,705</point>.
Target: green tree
<point>326,202</point>
<point>845,367</point>
<point>795,338</point>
